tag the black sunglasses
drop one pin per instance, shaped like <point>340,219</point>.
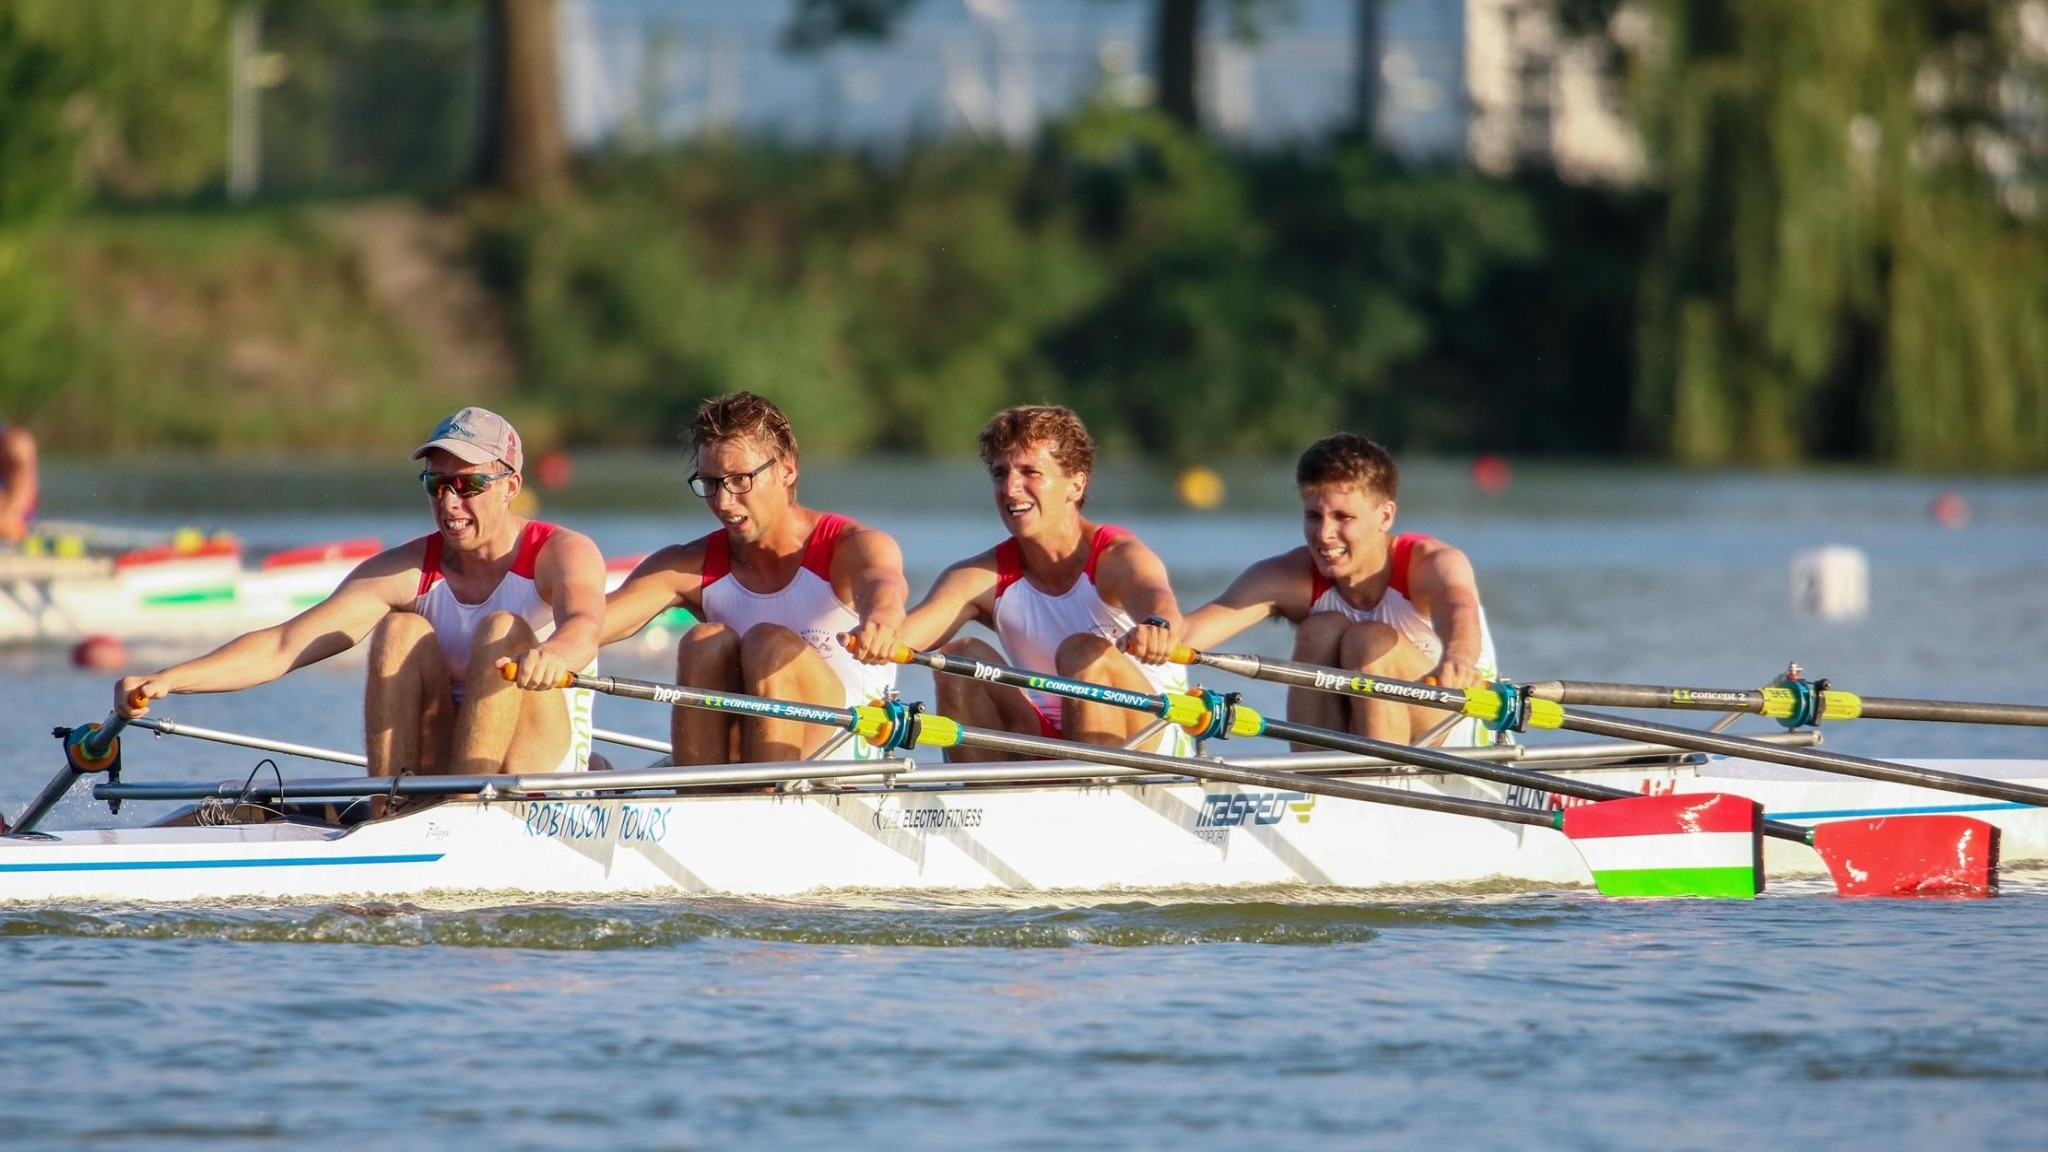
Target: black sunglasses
<point>739,483</point>
<point>467,485</point>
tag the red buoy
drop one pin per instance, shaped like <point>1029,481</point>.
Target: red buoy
<point>100,652</point>
<point>1490,474</point>
<point>1950,510</point>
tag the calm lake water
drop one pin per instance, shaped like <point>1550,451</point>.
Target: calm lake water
<point>1268,1018</point>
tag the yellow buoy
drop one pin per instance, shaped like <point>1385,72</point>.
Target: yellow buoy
<point>1201,488</point>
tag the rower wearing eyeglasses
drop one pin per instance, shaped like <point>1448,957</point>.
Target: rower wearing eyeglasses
<point>1063,595</point>
<point>443,614</point>
<point>774,586</point>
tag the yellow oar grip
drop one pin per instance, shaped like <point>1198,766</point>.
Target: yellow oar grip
<point>902,654</point>
<point>1182,654</point>
<point>1783,703</point>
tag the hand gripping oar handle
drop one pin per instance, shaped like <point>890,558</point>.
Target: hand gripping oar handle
<point>1207,715</point>
<point>1333,680</point>
<point>1782,702</point>
<point>936,731</point>
<point>1248,722</point>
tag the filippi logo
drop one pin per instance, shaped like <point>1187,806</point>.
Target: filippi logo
<point>1231,809</point>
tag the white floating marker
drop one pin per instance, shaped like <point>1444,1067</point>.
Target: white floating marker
<point>1832,583</point>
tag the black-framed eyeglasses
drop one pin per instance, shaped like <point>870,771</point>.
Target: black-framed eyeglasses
<point>467,485</point>
<point>739,483</point>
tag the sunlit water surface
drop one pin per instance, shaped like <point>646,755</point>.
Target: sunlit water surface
<point>1480,1019</point>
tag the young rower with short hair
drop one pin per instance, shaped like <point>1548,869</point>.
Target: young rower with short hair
<point>774,586</point>
<point>444,613</point>
<point>1063,594</point>
<point>1363,599</point>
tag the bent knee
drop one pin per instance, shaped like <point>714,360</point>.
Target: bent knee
<point>1083,651</point>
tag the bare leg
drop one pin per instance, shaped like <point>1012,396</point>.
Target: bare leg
<point>1085,656</point>
<point>779,664</point>
<point>707,658</point>
<point>1378,650</point>
<point>408,713</point>
<point>500,727</point>
<point>980,704</point>
<point>1319,640</point>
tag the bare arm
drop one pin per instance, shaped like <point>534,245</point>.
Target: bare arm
<point>961,595</point>
<point>869,565</point>
<point>1442,586</point>
<point>671,577</point>
<point>378,586</point>
<point>17,481</point>
<point>569,575</point>
<point>1131,576</point>
<point>1276,586</point>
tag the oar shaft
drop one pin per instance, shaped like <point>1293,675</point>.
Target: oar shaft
<point>1019,744</point>
<point>1464,766</point>
<point>1839,763</point>
<point>939,731</point>
<point>1768,702</point>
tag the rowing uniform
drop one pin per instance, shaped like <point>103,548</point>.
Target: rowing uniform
<point>454,624</point>
<point>1397,612</point>
<point>1032,624</point>
<point>806,605</point>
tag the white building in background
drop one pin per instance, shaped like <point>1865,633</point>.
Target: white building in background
<point>1488,79</point>
<point>1540,101</point>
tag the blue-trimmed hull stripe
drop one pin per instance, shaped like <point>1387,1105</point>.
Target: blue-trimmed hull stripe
<point>1917,810</point>
<point>163,865</point>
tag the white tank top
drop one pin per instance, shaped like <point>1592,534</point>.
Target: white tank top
<point>1031,623</point>
<point>454,624</point>
<point>806,605</point>
<point>1397,612</point>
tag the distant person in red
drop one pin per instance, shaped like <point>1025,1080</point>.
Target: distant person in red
<point>1363,598</point>
<point>775,584</point>
<point>17,482</point>
<point>443,613</point>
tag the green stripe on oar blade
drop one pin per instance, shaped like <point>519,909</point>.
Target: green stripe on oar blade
<point>1702,844</point>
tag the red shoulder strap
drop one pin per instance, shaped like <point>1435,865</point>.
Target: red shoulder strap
<point>1317,582</point>
<point>430,564</point>
<point>717,556</point>
<point>823,542</point>
<point>1404,548</point>
<point>1105,535</point>
<point>1009,566</point>
<point>531,540</point>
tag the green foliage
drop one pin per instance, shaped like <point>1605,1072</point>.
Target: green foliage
<point>147,110</point>
<point>1847,266</point>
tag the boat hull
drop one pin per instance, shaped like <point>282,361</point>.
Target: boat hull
<point>1099,835</point>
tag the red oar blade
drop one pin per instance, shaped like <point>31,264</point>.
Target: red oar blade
<point>1932,855</point>
<point>1701,844</point>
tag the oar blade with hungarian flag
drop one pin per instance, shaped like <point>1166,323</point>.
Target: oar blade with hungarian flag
<point>1698,844</point>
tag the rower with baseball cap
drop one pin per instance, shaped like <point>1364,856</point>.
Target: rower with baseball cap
<point>443,613</point>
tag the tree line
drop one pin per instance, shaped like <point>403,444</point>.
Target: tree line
<point>1839,252</point>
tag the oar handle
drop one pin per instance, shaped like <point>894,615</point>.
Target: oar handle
<point>510,670</point>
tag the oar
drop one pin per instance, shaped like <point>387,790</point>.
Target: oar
<point>1506,705</point>
<point>1503,705</point>
<point>1904,872</point>
<point>1700,845</point>
<point>88,748</point>
<point>1792,701</point>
